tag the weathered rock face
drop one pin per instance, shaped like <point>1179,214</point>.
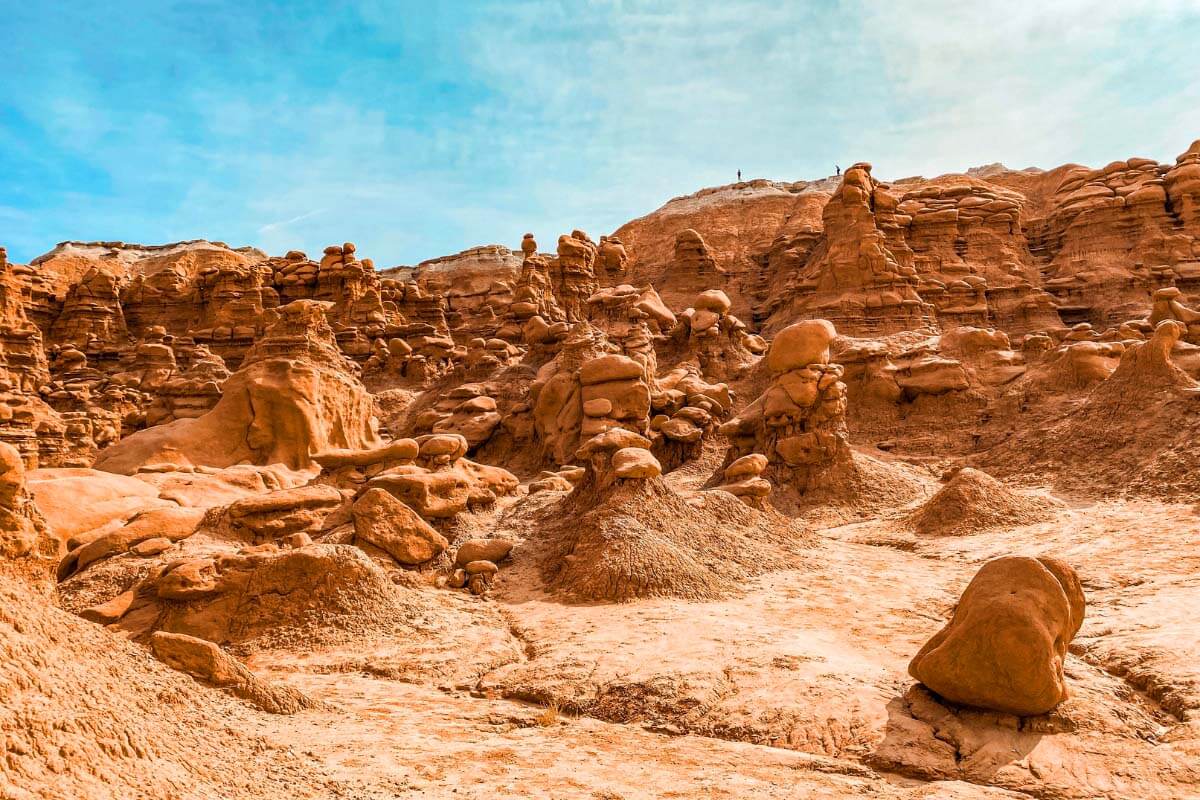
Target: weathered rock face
<point>712,338</point>
<point>1110,236</point>
<point>1004,648</point>
<point>206,662</point>
<point>556,400</point>
<point>737,224</point>
<point>478,287</point>
<point>863,276</point>
<point>23,364</point>
<point>1023,251</point>
<point>24,538</point>
<point>438,482</point>
<point>573,274</point>
<point>295,395</point>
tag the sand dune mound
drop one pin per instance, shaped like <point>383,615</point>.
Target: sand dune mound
<point>974,502</point>
<point>273,598</point>
<point>84,713</point>
<point>1133,435</point>
<point>641,539</point>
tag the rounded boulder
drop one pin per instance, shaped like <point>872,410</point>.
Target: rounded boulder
<point>801,344</point>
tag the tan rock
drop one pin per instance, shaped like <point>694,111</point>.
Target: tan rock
<point>389,524</point>
<point>801,344</point>
<point>207,662</point>
<point>1005,645</point>
<point>635,462</point>
<point>493,550</point>
<point>610,368</point>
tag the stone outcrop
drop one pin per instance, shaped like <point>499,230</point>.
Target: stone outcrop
<point>440,483</point>
<point>738,224</point>
<point>206,662</point>
<point>25,542</point>
<point>385,522</point>
<point>262,592</point>
<point>720,344</point>
<point>294,396</point>
<point>573,274</point>
<point>862,276</point>
<point>799,423</point>
<point>662,416</point>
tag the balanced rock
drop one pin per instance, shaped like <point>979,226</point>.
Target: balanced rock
<point>801,344</point>
<point>493,550</point>
<point>1004,647</point>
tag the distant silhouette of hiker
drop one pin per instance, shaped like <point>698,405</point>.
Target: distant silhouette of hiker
<point>739,176</point>
<point>839,169</point>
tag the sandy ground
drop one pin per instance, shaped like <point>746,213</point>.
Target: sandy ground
<point>795,688</point>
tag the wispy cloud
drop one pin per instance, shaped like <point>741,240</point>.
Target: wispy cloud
<point>420,134</point>
<point>287,223</point>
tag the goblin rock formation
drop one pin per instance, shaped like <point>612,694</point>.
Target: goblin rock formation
<point>669,495</point>
<point>799,423</point>
<point>294,396</point>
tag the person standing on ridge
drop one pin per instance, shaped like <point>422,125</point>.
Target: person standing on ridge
<point>838,168</point>
<point>739,176</point>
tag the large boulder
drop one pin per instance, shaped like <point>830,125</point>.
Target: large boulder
<point>1004,647</point>
<point>382,520</point>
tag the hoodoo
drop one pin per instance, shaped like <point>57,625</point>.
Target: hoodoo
<point>634,516</point>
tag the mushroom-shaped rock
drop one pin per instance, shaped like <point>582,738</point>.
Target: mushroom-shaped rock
<point>1004,647</point>
<point>635,462</point>
<point>389,524</point>
<point>451,445</point>
<point>801,344</point>
<point>681,430</point>
<point>713,300</point>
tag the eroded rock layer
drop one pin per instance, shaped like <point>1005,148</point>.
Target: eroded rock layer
<point>391,526</point>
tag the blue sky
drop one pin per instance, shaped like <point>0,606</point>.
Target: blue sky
<point>417,129</point>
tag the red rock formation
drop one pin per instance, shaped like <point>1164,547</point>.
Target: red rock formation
<point>295,395</point>
<point>573,274</point>
<point>862,277</point>
<point>737,223</point>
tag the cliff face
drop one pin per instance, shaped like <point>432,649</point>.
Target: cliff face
<point>101,339</point>
<point>1021,250</point>
<point>738,223</point>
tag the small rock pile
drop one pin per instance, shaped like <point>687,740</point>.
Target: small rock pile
<point>476,564</point>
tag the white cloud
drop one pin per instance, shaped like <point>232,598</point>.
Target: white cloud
<point>1030,82</point>
<point>588,114</point>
